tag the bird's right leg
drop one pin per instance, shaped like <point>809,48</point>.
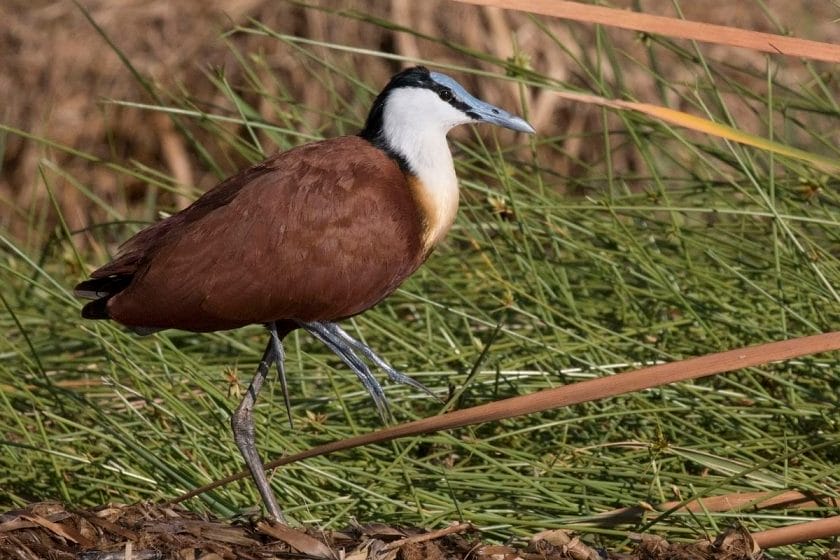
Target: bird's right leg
<point>242,422</point>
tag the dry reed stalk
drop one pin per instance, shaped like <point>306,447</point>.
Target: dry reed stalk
<point>567,395</point>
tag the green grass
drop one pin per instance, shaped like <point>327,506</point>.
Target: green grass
<point>705,246</point>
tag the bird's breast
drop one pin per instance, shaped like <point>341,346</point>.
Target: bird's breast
<point>436,195</point>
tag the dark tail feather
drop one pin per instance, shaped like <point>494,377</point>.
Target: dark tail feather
<point>100,290</point>
<point>96,288</point>
<point>97,309</point>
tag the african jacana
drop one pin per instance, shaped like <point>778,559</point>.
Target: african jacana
<point>308,237</point>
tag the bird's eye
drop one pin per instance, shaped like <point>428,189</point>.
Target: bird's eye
<point>445,93</point>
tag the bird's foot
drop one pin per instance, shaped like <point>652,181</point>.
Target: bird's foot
<point>344,346</point>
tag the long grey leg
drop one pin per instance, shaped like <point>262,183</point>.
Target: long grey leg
<point>242,422</point>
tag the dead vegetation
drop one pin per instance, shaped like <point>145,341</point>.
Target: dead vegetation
<point>57,72</point>
<point>145,532</point>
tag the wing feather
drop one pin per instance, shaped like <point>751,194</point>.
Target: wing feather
<point>320,232</point>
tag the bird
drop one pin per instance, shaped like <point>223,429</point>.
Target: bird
<point>305,239</point>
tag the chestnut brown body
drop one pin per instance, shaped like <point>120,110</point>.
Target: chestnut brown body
<point>317,233</point>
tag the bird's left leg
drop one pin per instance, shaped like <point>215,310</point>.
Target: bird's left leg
<point>242,423</point>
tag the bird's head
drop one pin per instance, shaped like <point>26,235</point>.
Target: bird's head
<point>419,103</point>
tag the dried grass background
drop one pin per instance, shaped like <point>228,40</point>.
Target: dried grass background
<point>55,72</point>
<point>625,280</point>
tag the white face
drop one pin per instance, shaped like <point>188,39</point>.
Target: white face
<point>420,108</point>
<point>414,123</point>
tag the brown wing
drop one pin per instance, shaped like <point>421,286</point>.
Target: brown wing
<point>320,232</point>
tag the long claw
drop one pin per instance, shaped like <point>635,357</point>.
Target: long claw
<point>343,345</point>
<point>393,374</point>
<point>279,359</point>
<point>345,352</point>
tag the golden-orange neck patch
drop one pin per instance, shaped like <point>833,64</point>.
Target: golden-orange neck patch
<point>438,205</point>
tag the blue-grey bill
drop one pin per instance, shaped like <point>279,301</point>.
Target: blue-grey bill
<point>509,121</point>
<point>483,111</point>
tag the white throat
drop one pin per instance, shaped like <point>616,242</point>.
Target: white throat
<point>414,124</point>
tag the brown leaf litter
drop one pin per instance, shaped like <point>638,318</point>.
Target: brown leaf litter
<point>146,532</point>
